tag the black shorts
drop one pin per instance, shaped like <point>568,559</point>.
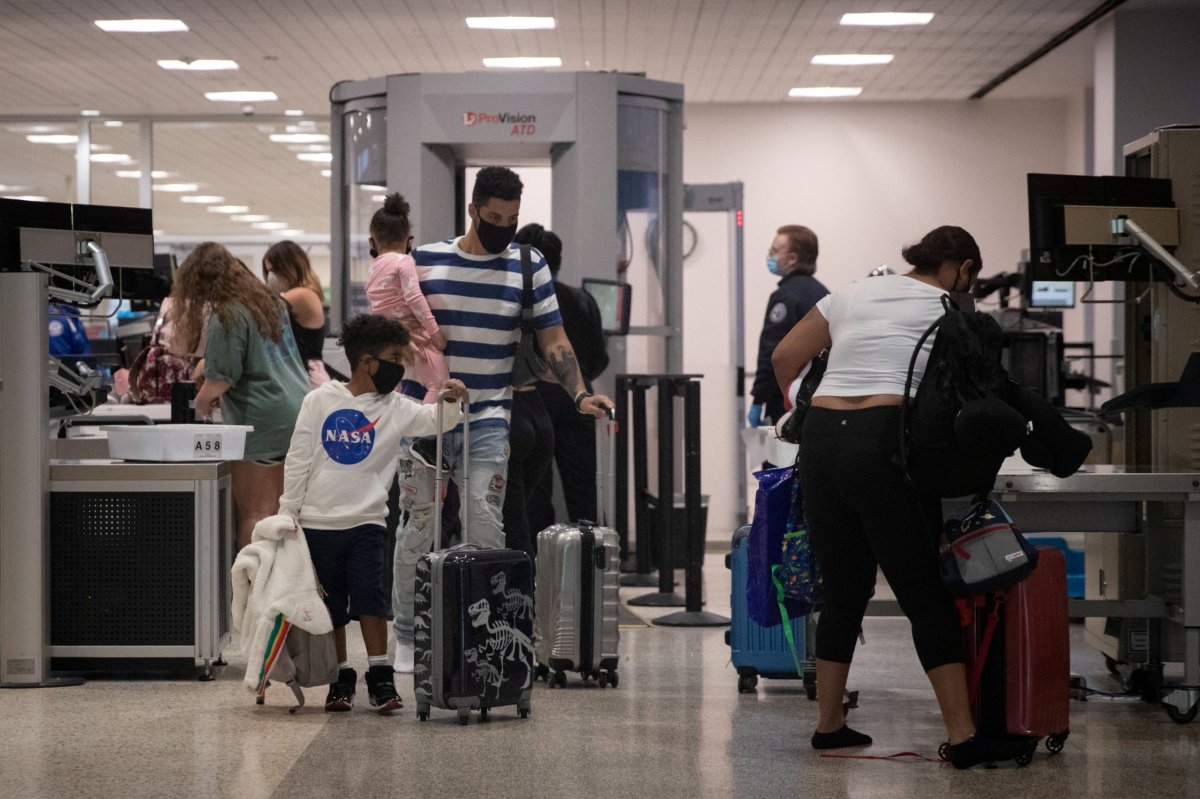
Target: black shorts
<point>349,565</point>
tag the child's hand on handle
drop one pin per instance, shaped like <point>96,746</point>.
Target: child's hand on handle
<point>439,340</point>
<point>454,390</point>
<point>597,405</point>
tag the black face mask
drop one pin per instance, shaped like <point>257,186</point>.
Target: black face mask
<point>495,239</point>
<point>387,377</point>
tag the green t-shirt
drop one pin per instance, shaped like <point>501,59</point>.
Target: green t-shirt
<point>267,383</point>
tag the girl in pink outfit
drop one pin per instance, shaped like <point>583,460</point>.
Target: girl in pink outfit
<point>393,290</point>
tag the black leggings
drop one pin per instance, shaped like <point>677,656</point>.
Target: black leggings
<point>531,450</point>
<point>862,514</point>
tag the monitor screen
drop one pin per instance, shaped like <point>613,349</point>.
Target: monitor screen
<point>1052,294</point>
<point>613,299</point>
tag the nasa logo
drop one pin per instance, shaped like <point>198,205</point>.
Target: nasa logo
<point>348,436</point>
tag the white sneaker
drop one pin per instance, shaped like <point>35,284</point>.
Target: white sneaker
<point>405,658</point>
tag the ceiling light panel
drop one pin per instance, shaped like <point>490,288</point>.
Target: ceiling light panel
<point>111,158</point>
<point>852,59</point>
<point>229,209</point>
<point>887,18</point>
<point>300,138</point>
<point>523,62</point>
<point>511,23</point>
<point>316,158</point>
<point>250,218</point>
<point>825,91</point>
<point>157,174</point>
<point>202,199</point>
<point>198,64</point>
<point>141,25</point>
<point>179,188</point>
<point>244,96</point>
<point>52,138</point>
<point>270,225</point>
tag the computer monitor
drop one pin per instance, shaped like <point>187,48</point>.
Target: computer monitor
<point>1051,294</point>
<point>614,301</point>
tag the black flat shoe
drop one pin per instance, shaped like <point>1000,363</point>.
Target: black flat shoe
<point>840,739</point>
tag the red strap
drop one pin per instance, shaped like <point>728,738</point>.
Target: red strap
<point>989,633</point>
<point>896,756</point>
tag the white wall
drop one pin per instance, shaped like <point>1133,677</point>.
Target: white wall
<point>868,178</point>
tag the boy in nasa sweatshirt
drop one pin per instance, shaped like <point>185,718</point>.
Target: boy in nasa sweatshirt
<point>343,457</point>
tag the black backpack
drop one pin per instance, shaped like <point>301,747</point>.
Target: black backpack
<point>958,429</point>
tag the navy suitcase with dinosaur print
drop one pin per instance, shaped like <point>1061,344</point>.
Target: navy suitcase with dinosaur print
<point>473,623</point>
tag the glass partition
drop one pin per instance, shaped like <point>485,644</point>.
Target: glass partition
<point>364,131</point>
<point>114,164</point>
<point>39,160</point>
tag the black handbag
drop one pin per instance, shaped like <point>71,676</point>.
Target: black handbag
<point>528,363</point>
<point>790,432</point>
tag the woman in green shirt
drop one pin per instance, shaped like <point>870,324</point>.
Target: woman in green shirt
<point>251,366</point>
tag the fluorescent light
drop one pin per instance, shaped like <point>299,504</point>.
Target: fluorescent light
<point>511,23</point>
<point>242,97</point>
<point>198,64</point>
<point>229,209</point>
<point>326,173</point>
<point>299,138</point>
<point>852,59</point>
<point>378,198</point>
<point>825,91</point>
<point>202,199</point>
<point>52,138</point>
<point>33,198</point>
<point>34,128</point>
<point>293,112</point>
<point>175,187</point>
<point>89,112</point>
<point>523,62</point>
<point>249,217</point>
<point>291,232</point>
<point>316,158</point>
<point>7,187</point>
<point>270,225</point>
<point>887,18</point>
<point>111,158</point>
<point>114,123</point>
<point>157,174</point>
<point>141,25</point>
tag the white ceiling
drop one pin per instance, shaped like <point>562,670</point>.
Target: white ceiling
<point>55,62</point>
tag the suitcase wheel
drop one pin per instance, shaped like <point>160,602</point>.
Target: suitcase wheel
<point>464,716</point>
<point>541,673</point>
<point>1180,716</point>
<point>423,716</point>
<point>523,712</point>
<point>613,679</point>
<point>483,714</point>
<point>559,680</point>
<point>747,683</point>
<point>1054,743</point>
<point>1026,757</point>
<point>810,683</point>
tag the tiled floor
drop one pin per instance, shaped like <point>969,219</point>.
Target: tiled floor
<point>676,727</point>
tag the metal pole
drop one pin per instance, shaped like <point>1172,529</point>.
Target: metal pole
<point>641,483</point>
<point>621,515</point>
<point>666,596</point>
<point>693,616</point>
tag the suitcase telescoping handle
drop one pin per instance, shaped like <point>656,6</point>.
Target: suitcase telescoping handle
<point>439,479</point>
<point>606,469</point>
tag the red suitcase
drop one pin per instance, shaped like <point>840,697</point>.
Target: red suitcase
<point>1023,685</point>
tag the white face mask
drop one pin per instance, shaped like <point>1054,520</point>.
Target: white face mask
<point>274,283</point>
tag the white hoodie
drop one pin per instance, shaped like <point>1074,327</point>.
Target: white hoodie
<point>345,451</point>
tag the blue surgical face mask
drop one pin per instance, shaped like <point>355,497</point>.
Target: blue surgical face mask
<point>772,264</point>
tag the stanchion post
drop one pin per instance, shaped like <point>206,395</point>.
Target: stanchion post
<point>666,486</point>
<point>621,512</point>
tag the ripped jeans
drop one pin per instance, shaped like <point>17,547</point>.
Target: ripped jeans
<point>488,479</point>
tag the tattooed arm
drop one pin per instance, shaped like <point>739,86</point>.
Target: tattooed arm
<point>557,350</point>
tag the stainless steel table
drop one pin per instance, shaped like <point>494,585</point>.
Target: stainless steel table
<point>1106,499</point>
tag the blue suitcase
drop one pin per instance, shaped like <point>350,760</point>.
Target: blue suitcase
<point>759,651</point>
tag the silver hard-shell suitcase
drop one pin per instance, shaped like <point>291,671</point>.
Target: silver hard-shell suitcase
<point>578,568</point>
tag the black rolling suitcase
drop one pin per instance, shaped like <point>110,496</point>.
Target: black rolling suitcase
<point>474,620</point>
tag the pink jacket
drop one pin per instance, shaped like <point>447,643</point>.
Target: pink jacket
<point>393,290</point>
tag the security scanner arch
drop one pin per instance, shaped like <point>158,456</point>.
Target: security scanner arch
<point>614,142</point>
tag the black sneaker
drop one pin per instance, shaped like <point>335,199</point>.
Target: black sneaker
<point>381,689</point>
<point>424,451</point>
<point>341,693</point>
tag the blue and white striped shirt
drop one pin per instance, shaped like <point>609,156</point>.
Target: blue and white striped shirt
<point>476,300</point>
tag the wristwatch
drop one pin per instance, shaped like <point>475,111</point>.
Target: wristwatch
<point>579,398</point>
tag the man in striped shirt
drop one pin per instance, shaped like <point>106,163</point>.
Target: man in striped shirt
<point>474,287</point>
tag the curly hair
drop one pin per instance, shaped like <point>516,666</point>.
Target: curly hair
<point>496,181</point>
<point>942,244</point>
<point>288,260</point>
<point>212,282</point>
<point>544,241</point>
<point>370,334</point>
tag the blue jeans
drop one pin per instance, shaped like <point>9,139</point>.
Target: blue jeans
<point>482,509</point>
